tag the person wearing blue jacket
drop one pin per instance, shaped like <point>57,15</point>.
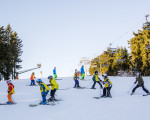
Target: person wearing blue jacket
<point>82,72</point>
<point>44,91</point>
<point>54,72</point>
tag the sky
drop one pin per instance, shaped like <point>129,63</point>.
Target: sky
<point>58,33</point>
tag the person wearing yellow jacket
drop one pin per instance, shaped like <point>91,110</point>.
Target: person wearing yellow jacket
<point>44,91</point>
<point>54,87</point>
<point>96,79</point>
<point>108,86</point>
<point>10,91</point>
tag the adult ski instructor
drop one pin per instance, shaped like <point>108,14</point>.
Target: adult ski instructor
<point>82,72</point>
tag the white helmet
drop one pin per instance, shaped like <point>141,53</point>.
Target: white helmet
<point>137,74</point>
<point>104,74</point>
<point>8,81</point>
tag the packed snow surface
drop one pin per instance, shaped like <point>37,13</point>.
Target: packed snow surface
<point>77,104</point>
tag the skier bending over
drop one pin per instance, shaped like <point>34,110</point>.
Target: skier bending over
<point>44,91</point>
<point>10,91</point>
<point>96,80</point>
<point>108,86</point>
<point>76,79</point>
<point>54,87</point>
<point>140,81</point>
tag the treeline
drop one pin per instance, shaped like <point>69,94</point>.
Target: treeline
<point>10,52</point>
<point>114,61</point>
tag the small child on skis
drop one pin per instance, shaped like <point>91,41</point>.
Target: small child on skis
<point>10,91</point>
<point>44,91</point>
<point>32,79</point>
<point>76,79</point>
<point>108,86</point>
<point>96,80</point>
<point>140,81</point>
<point>54,87</point>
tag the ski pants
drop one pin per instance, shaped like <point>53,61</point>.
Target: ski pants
<point>53,93</point>
<point>140,86</point>
<point>76,83</point>
<point>106,91</point>
<point>95,84</point>
<point>55,75</point>
<point>44,96</point>
<point>32,82</point>
<point>9,97</point>
<point>83,75</point>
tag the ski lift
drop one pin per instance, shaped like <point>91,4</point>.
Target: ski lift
<point>120,60</point>
<point>113,50</point>
<point>20,72</point>
<point>93,66</point>
<point>146,25</point>
<point>148,46</point>
<point>104,65</point>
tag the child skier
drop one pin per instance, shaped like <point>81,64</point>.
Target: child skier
<point>140,81</point>
<point>76,79</point>
<point>32,79</point>
<point>96,80</point>
<point>108,86</point>
<point>82,72</point>
<point>54,87</point>
<point>10,91</point>
<point>44,91</point>
<point>54,72</point>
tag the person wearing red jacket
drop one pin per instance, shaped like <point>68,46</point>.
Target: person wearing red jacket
<point>32,79</point>
<point>10,91</point>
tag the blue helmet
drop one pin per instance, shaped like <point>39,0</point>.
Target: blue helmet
<point>50,77</point>
<point>39,80</point>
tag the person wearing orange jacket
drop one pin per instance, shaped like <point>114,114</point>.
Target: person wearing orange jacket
<point>10,91</point>
<point>32,79</point>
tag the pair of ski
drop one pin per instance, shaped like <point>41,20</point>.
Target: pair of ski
<point>8,103</point>
<point>102,97</point>
<point>51,103</point>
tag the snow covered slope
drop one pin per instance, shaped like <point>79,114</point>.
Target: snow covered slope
<point>77,104</point>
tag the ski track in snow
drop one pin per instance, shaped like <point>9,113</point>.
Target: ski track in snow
<point>78,104</point>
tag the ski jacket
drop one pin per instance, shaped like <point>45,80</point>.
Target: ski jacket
<point>107,83</point>
<point>82,70</point>
<point>139,80</point>
<point>54,71</point>
<point>44,88</point>
<point>11,88</point>
<point>95,78</point>
<point>54,84</point>
<point>32,77</point>
<point>75,76</point>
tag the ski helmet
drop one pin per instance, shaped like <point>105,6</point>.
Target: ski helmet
<point>8,81</point>
<point>137,74</point>
<point>39,80</point>
<point>96,72</point>
<point>50,77</point>
<point>105,75</point>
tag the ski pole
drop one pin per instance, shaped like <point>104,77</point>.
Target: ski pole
<point>89,84</point>
<point>131,88</point>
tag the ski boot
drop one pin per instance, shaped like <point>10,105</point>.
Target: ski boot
<point>43,103</point>
<point>9,102</point>
<point>51,99</point>
<point>93,88</point>
<point>132,93</point>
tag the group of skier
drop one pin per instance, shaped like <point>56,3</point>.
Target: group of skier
<point>105,84</point>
